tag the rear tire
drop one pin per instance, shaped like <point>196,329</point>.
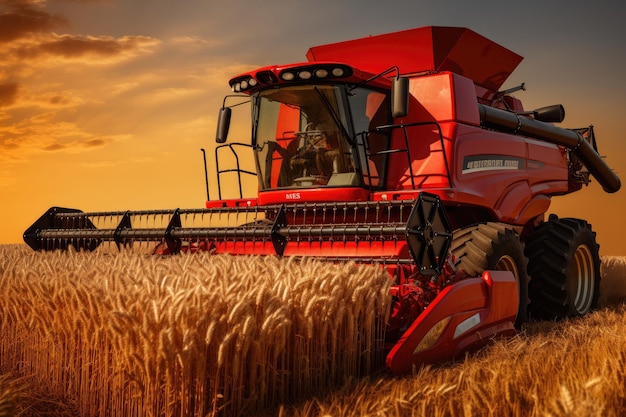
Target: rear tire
<point>565,265</point>
<point>493,246</point>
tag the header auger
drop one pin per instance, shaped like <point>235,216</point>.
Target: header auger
<point>398,150</point>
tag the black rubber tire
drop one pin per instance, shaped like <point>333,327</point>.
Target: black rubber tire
<point>564,263</point>
<point>493,246</point>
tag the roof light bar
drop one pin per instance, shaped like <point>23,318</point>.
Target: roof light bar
<point>303,73</point>
<point>315,72</point>
<point>243,83</point>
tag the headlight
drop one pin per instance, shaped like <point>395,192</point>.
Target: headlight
<point>321,73</point>
<point>338,72</point>
<point>432,336</point>
<point>305,75</point>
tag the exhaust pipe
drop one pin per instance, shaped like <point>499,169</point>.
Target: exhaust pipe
<point>493,118</point>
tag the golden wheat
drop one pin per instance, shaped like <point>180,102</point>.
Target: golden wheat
<point>193,335</point>
<point>125,334</point>
<point>613,283</point>
<point>10,393</point>
<point>576,367</point>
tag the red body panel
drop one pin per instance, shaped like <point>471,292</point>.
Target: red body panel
<point>513,176</point>
<point>391,250</point>
<point>477,309</point>
<point>443,97</point>
<point>313,195</point>
<point>499,171</point>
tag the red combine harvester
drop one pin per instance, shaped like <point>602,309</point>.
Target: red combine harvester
<point>400,150</point>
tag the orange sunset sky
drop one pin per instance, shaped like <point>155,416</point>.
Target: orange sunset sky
<point>105,104</point>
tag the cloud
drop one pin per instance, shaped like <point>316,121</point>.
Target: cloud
<point>22,20</point>
<point>43,85</point>
<point>28,36</point>
<point>109,163</point>
<point>88,101</point>
<point>78,145</point>
<point>90,49</point>
<point>42,134</point>
<point>194,42</point>
<point>52,49</point>
<point>8,93</point>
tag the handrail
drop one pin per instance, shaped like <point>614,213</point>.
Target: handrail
<point>238,168</point>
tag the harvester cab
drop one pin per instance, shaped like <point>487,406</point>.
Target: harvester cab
<point>315,131</point>
<point>397,150</point>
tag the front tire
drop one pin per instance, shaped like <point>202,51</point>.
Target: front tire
<point>565,265</point>
<point>493,246</point>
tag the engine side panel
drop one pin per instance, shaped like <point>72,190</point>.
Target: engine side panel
<point>510,175</point>
<point>507,173</point>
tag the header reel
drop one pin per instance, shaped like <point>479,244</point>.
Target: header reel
<point>283,230</point>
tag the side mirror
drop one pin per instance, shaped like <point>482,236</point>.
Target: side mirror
<point>223,124</point>
<point>400,97</point>
<point>550,114</point>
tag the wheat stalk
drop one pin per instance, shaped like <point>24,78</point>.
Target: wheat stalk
<point>129,334</point>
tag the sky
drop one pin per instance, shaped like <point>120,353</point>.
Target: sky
<point>105,104</point>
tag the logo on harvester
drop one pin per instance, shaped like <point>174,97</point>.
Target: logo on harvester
<point>478,163</point>
<point>292,196</point>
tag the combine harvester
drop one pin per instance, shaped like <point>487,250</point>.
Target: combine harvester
<point>399,150</point>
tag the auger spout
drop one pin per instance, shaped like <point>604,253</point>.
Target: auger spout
<point>508,121</point>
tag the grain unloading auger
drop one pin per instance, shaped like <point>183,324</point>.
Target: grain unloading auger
<point>431,172</point>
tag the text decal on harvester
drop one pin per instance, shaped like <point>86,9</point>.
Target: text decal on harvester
<point>292,196</point>
<point>478,163</point>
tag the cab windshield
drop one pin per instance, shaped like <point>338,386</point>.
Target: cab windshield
<point>305,137</point>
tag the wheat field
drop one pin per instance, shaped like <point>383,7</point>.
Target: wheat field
<point>571,368</point>
<point>127,334</point>
<point>198,335</point>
